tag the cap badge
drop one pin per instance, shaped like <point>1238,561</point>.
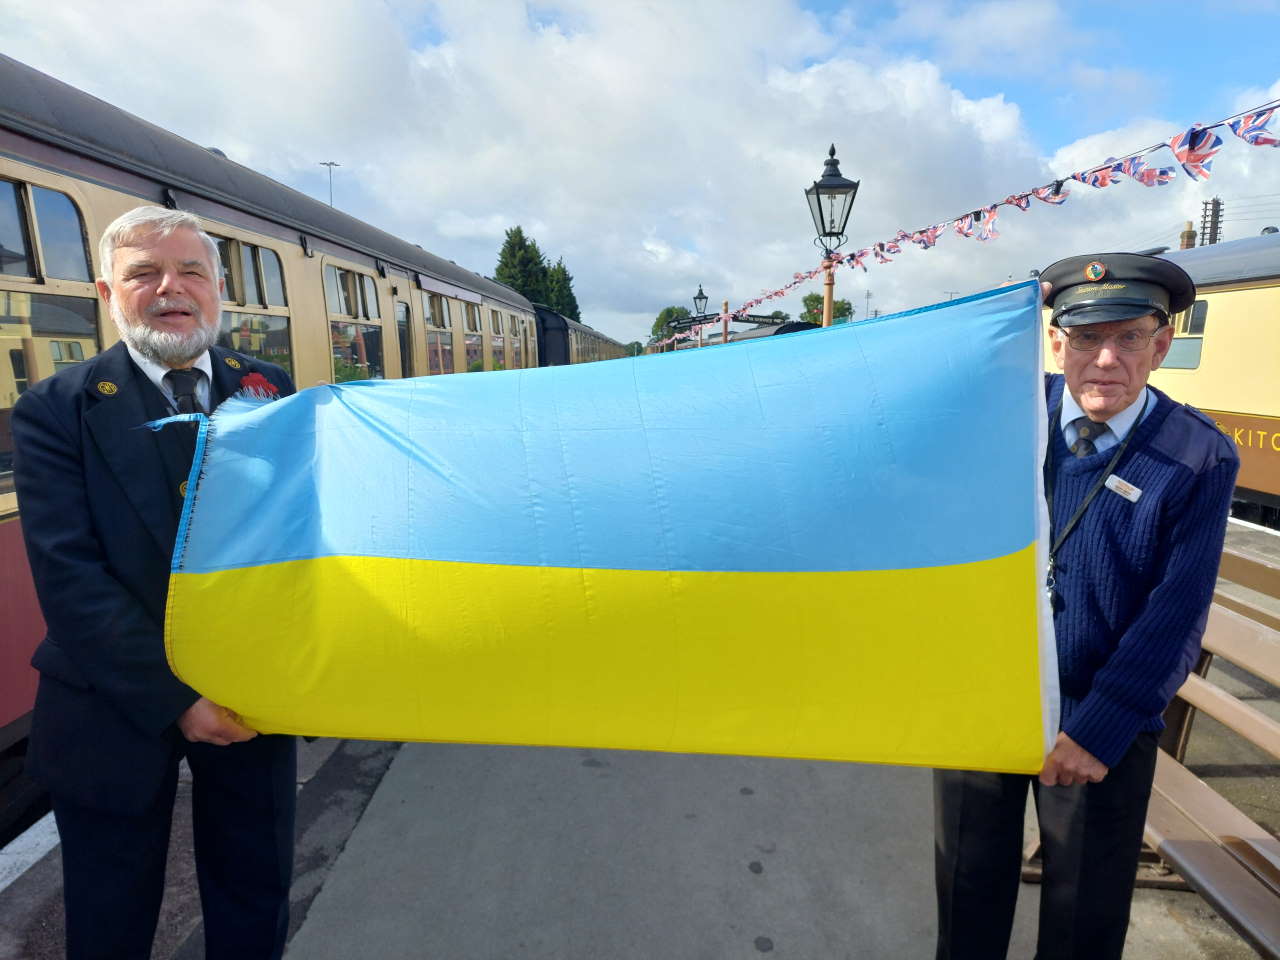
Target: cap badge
<point>1095,271</point>
<point>182,489</point>
<point>233,363</point>
<point>107,388</point>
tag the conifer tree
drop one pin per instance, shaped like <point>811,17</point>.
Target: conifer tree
<point>560,296</point>
<point>522,267</point>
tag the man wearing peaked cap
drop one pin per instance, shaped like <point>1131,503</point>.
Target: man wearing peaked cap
<point>1137,488</point>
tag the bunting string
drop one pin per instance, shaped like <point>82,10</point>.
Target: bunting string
<point>1193,150</point>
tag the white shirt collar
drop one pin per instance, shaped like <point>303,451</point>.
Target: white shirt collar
<point>1120,424</point>
<point>155,373</point>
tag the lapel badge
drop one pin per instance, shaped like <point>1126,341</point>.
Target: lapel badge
<point>233,363</point>
<point>1095,271</point>
<point>107,388</point>
<point>182,489</point>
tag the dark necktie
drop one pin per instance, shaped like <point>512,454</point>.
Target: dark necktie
<point>1087,435</point>
<point>183,384</point>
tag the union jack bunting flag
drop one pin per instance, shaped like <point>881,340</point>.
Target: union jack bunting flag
<point>927,237</point>
<point>1195,149</point>
<point>1100,176</point>
<point>1137,169</point>
<point>901,236</point>
<point>1252,128</point>
<point>880,249</point>
<point>987,228</point>
<point>1051,193</point>
<point>964,226</point>
<point>1020,200</point>
<point>857,258</point>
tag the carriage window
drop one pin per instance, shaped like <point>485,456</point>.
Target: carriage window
<point>517,348</point>
<point>259,335</point>
<point>18,367</point>
<point>402,330</point>
<point>272,278</point>
<point>15,250</point>
<point>1188,341</point>
<point>436,310</point>
<point>1191,322</point>
<point>65,353</point>
<point>334,292</point>
<point>249,269</point>
<point>357,352</point>
<point>344,294</point>
<point>473,317</point>
<point>225,254</point>
<point>475,352</point>
<point>439,353</point>
<point>370,301</point>
<point>61,235</point>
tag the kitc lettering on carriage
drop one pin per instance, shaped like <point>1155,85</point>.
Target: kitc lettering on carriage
<point>1253,439</point>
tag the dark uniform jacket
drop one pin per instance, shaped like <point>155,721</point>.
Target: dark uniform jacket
<point>98,496</point>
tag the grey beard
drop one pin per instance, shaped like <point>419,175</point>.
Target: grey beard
<point>163,347</point>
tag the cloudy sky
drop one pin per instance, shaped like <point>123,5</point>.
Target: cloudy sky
<point>663,144</point>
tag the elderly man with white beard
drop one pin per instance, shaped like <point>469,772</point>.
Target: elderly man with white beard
<point>100,503</point>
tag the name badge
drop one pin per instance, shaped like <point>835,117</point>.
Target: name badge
<point>1124,488</point>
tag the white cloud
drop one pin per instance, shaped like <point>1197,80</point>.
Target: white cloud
<point>654,146</point>
<point>989,36</point>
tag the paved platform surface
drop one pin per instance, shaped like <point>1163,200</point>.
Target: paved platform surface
<point>496,852</point>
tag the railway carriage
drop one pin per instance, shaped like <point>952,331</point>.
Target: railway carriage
<point>320,293</point>
<point>1225,359</point>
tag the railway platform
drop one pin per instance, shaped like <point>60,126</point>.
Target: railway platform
<point>459,851</point>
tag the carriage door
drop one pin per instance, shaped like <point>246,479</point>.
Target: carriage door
<point>404,320</point>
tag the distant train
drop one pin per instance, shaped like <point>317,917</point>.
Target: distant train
<point>323,295</point>
<point>562,340</point>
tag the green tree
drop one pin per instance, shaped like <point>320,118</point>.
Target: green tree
<point>635,348</point>
<point>522,267</point>
<point>812,313</point>
<point>779,315</point>
<point>560,296</point>
<point>668,315</point>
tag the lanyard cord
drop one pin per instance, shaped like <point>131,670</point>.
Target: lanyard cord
<point>1051,477</point>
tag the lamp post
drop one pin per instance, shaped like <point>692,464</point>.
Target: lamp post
<point>830,202</point>
<point>699,302</point>
<point>330,164</point>
<point>699,308</point>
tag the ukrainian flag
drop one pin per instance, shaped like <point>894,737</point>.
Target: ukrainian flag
<point>826,545</point>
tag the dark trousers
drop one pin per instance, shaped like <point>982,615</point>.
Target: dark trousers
<point>1090,836</point>
<point>113,864</point>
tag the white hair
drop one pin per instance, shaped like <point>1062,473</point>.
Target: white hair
<point>152,221</point>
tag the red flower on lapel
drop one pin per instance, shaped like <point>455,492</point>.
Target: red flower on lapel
<point>256,385</point>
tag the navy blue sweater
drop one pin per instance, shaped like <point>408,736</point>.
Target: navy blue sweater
<point>1136,579</point>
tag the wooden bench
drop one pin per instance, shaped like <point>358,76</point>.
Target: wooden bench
<point>1232,862</point>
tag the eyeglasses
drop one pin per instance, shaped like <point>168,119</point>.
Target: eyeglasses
<point>1091,341</point>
